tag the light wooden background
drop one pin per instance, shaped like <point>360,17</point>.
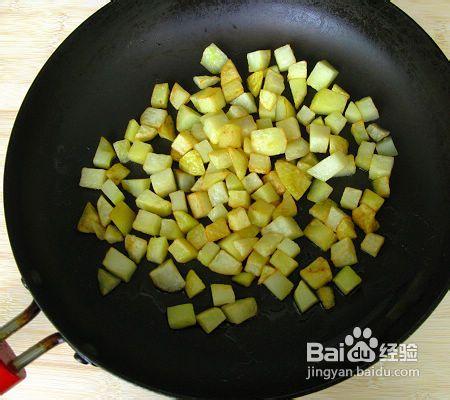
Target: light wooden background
<point>30,30</point>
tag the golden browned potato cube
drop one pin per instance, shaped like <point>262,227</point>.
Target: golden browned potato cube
<point>209,100</point>
<point>275,180</point>
<point>117,173</point>
<point>254,82</point>
<point>229,73</point>
<point>136,247</point>
<point>295,180</point>
<point>326,296</point>
<point>230,136</point>
<point>244,247</point>
<point>283,263</point>
<point>317,274</point>
<point>322,209</point>
<point>220,158</point>
<point>123,217</point>
<point>90,222</point>
<point>239,161</point>
<point>232,89</point>
<point>260,213</point>
<point>372,244</point>
<point>241,310</point>
<point>199,204</point>
<point>269,141</point>
<point>192,163</point>
<point>207,253</point>
<point>372,199</point>
<point>160,95</point>
<point>185,221</point>
<point>265,273</point>
<point>346,229</point>
<point>287,207</point>
<point>167,129</point>
<point>320,234</point>
<point>217,230</point>
<point>197,236</point>
<point>364,217</point>
<point>381,186</point>
<point>183,143</point>
<point>238,219</point>
<point>238,198</point>
<point>178,96</point>
<point>194,285</point>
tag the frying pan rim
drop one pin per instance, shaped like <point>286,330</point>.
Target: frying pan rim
<point>40,300</point>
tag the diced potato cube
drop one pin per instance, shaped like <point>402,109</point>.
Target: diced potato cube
<point>233,182</point>
<point>298,70</point>
<point>217,230</point>
<point>203,148</point>
<point>260,213</point>
<point>136,186</point>
<point>208,180</point>
<point>104,154</point>
<point>117,173</point>
<point>322,209</point>
<point>163,182</point>
<point>167,129</point>
<point>218,194</point>
<point>227,244</point>
<point>273,178</point>
<point>90,222</point>
<point>255,263</point>
<point>336,121</point>
<point>359,132</point>
<point>304,297</point>
<point>185,221</point>
<point>267,193</point>
<point>267,244</point>
<point>299,90</point>
<point>320,234</point>
<point>239,162</point>
<point>160,95</point>
<point>284,107</point>
<point>329,166</point>
<point>157,249</point>
<point>287,207</point>
<point>350,198</point>
<point>319,191</point>
<point>184,142</point>
<point>350,167</point>
<point>156,162</point>
<point>232,90</point>
<point>296,148</point>
<point>338,143</point>
<point>241,310</point>
<point>170,229</point>
<point>249,232</point>
<point>145,133</point>
<point>322,75</point>
<point>380,166</point>
<point>367,109</point>
<point>317,274</point>
<point>222,294</point>
<point>258,60</point>
<point>244,247</point>
<point>372,244</point>
<point>343,253</point>
<point>119,264</point>
<point>186,118</point>
<point>220,158</point>
<point>182,250</point>
<point>289,247</point>
<point>92,178</point>
<point>139,151</point>
<point>199,203</point>
<point>244,279</point>
<point>194,285</point>
<point>150,201</point>
<point>319,138</point>
<point>113,235</point>
<point>198,132</point>
<point>335,216</point>
<point>147,222</point>
<point>365,154</point>
<point>352,113</point>
<point>254,82</point>
<point>346,280</point>
<point>267,114</point>
<point>181,316</point>
<point>268,99</point>
<point>346,229</point>
<point>295,180</point>
<point>285,57</point>
<point>259,163</point>
<point>212,122</point>
<point>247,102</point>
<point>209,100</point>
<point>112,192</point>
<point>122,147</point>
<point>213,59</point>
<point>364,217</point>
<point>123,217</point>
<point>236,111</point>
<point>386,147</point>
<point>230,136</point>
<point>178,96</point>
<point>208,252</point>
<point>372,199</point>
<point>132,130</point>
<point>283,263</point>
<point>274,82</point>
<point>266,271</point>
<point>252,182</point>
<point>136,247</point>
<point>381,186</point>
<point>154,117</point>
<point>197,236</point>
<point>217,212</point>
<point>305,115</point>
<point>192,163</point>
<point>376,132</point>
<point>285,226</point>
<point>326,102</point>
<point>290,127</point>
<point>229,73</point>
<point>270,141</point>
<point>279,285</point>
<point>225,264</point>
<point>238,198</point>
<point>238,219</point>
<point>210,319</point>
<point>204,81</point>
<point>106,281</point>
<point>326,296</point>
<point>336,88</point>
<point>178,200</point>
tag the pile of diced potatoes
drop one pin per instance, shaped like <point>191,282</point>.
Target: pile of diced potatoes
<point>227,194</point>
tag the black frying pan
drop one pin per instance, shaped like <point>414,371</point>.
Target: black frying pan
<point>102,76</point>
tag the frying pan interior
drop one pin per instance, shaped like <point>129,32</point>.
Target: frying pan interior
<point>102,76</point>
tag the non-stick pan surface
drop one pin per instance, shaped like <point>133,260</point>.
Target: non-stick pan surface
<point>103,75</point>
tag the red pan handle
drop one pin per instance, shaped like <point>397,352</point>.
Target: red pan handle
<point>12,368</point>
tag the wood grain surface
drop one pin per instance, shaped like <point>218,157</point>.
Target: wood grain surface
<point>30,30</point>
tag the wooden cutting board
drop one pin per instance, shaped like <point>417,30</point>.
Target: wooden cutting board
<point>30,30</point>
